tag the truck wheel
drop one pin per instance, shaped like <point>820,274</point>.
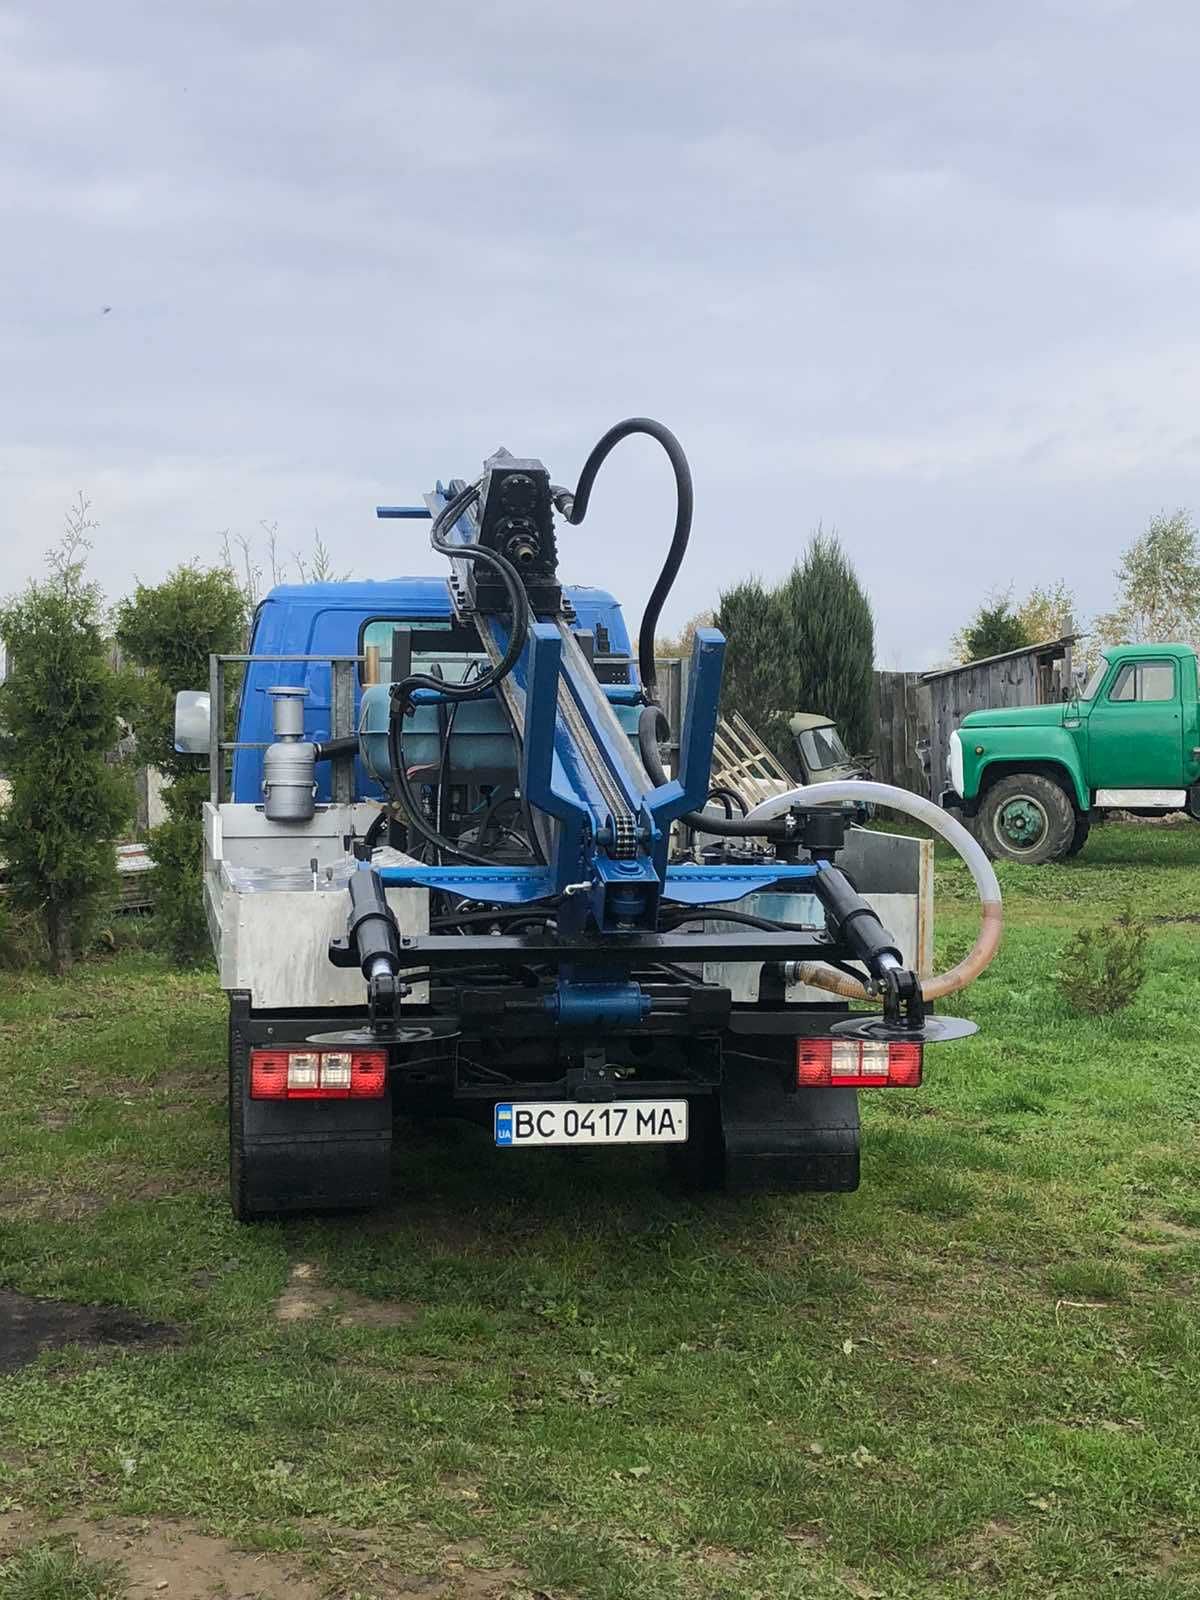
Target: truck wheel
<point>1083,826</point>
<point>1026,818</point>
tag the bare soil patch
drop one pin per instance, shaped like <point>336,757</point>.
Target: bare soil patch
<point>50,1206</point>
<point>162,1559</point>
<point>305,1297</point>
<point>29,1325</point>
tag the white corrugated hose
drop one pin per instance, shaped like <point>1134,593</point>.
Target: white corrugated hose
<point>921,810</point>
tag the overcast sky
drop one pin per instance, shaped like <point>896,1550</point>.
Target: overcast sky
<point>925,273</point>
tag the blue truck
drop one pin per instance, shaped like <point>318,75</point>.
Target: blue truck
<point>447,871</point>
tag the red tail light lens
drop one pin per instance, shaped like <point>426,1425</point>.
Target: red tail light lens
<point>318,1074</point>
<point>268,1074</point>
<point>368,1074</point>
<point>857,1064</point>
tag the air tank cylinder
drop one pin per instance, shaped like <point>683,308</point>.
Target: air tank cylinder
<point>290,764</point>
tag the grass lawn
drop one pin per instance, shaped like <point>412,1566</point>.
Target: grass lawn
<point>553,1377</point>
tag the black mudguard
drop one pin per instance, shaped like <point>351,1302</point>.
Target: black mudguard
<point>295,1156</point>
<point>781,1139</point>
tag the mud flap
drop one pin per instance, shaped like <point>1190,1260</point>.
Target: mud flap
<point>782,1140</point>
<point>298,1156</point>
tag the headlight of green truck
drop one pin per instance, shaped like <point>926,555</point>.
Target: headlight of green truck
<point>956,763</point>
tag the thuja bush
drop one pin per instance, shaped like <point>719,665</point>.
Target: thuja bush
<point>59,709</point>
<point>1102,969</point>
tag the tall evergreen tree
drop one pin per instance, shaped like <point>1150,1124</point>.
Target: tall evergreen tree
<point>994,629</point>
<point>807,645</point>
<point>829,630</point>
<point>69,801</point>
<point>755,658</point>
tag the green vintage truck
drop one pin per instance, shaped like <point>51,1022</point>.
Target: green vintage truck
<point>1032,777</point>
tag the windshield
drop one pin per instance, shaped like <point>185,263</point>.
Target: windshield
<point>822,747</point>
<point>1092,686</point>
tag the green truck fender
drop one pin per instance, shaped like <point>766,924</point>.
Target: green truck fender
<point>990,752</point>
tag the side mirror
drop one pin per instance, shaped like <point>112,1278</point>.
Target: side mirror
<point>192,710</point>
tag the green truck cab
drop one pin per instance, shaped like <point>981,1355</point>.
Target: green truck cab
<point>1031,777</point>
<point>820,753</point>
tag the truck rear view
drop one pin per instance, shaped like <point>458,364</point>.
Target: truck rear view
<point>452,874</point>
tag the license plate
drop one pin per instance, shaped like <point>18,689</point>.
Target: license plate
<point>611,1122</point>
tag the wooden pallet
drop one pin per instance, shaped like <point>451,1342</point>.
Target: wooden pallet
<point>742,762</point>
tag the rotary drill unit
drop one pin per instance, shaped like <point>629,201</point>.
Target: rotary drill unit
<point>447,870</point>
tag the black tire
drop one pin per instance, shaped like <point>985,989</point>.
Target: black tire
<point>1026,817</point>
<point>1083,826</point>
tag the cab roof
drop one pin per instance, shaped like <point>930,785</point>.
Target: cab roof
<point>1140,652</point>
<point>422,595</point>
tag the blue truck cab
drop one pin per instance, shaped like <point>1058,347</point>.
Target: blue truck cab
<point>330,620</point>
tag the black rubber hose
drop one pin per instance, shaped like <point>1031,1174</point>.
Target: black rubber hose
<point>455,692</point>
<point>649,724</point>
<point>330,749</point>
<point>518,602</point>
<point>719,794</point>
<point>451,919</point>
<point>371,838</point>
<point>574,508</point>
<point>719,913</point>
<point>728,797</point>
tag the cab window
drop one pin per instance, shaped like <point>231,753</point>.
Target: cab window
<point>438,644</point>
<point>1144,680</point>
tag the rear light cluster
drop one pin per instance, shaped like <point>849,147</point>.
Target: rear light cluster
<point>318,1074</point>
<point>857,1064</point>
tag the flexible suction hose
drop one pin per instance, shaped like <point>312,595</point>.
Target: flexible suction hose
<point>921,810</point>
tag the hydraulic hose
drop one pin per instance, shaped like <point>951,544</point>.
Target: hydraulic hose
<point>518,602</point>
<point>574,508</point>
<point>728,797</point>
<point>455,692</point>
<point>921,810</point>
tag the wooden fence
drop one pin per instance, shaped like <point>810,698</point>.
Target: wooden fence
<point>902,715</point>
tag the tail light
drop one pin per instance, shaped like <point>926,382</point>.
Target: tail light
<point>857,1064</point>
<point>317,1074</point>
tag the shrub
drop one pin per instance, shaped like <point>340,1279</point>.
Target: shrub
<point>1102,969</point>
<point>168,630</point>
<point>59,707</point>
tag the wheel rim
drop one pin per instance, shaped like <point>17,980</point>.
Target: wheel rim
<point>1022,823</point>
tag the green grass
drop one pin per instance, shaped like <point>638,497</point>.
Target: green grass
<point>53,1571</point>
<point>975,1376</point>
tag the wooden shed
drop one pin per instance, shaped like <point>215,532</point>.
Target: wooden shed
<point>1037,674</point>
